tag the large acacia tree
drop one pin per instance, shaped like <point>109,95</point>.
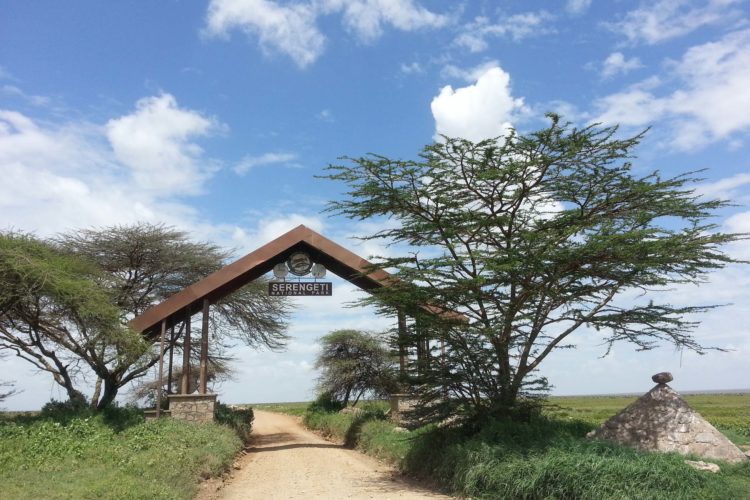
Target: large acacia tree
<point>533,237</point>
<point>116,272</point>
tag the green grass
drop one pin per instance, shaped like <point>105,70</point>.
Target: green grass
<point>296,409</point>
<point>112,455</point>
<point>549,458</point>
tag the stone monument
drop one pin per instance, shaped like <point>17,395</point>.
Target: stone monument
<point>661,420</point>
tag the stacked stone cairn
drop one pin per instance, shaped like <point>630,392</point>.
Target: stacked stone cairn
<point>661,420</point>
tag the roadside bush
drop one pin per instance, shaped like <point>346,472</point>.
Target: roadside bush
<point>238,419</point>
<point>552,459</point>
<point>325,402</point>
<point>538,459</point>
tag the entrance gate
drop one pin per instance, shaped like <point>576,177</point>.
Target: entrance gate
<point>198,297</point>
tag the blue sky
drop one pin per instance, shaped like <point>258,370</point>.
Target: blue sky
<point>215,116</point>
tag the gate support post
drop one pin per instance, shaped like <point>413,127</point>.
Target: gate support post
<point>204,349</point>
<point>161,367</point>
<point>185,382</point>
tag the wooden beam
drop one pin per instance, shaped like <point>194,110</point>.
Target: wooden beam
<point>185,382</point>
<point>204,348</point>
<point>161,367</point>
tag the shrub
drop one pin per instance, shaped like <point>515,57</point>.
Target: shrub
<point>238,419</point>
<point>325,402</point>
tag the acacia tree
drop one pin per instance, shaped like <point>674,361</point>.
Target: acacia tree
<point>353,363</point>
<point>53,312</point>
<point>125,270</point>
<point>532,238</point>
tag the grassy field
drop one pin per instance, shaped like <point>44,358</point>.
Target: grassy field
<point>728,412</point>
<point>548,458</point>
<point>110,455</point>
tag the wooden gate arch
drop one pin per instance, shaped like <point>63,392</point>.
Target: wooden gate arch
<point>198,297</point>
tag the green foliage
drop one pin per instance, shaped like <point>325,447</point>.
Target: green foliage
<point>531,238</point>
<point>343,427</point>
<point>552,459</point>
<point>55,312</point>
<point>238,419</point>
<point>325,402</point>
<point>110,454</point>
<point>354,363</point>
<point>543,457</point>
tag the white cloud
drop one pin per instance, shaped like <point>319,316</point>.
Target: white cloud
<point>12,90</point>
<point>289,29</point>
<point>250,162</point>
<point>657,21</point>
<point>272,227</point>
<point>516,27</point>
<point>292,28</point>
<point>710,104</point>
<point>58,176</point>
<point>471,75</point>
<point>366,18</point>
<point>155,141</point>
<point>725,189</point>
<point>482,110</point>
<point>577,6</point>
<point>617,64</point>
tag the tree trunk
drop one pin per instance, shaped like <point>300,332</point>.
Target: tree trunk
<point>110,392</point>
<point>97,392</point>
<point>346,397</point>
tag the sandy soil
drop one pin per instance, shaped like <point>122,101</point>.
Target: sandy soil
<point>284,460</point>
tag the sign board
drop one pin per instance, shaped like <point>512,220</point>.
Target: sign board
<point>296,288</point>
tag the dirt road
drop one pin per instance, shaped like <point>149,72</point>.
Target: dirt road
<point>287,461</point>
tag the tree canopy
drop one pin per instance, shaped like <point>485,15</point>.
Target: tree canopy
<point>354,363</point>
<point>65,302</point>
<point>534,237</point>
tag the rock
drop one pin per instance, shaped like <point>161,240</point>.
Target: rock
<point>701,465</point>
<point>662,378</point>
<point>400,429</point>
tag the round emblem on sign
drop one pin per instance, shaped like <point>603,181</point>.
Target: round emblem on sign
<point>299,263</point>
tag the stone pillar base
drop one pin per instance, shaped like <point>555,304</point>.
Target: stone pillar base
<point>400,404</point>
<point>192,407</point>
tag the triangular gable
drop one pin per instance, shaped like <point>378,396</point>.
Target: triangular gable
<point>231,277</point>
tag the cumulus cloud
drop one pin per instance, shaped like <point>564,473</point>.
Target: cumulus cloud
<point>136,167</point>
<point>292,29</point>
<point>710,101</point>
<point>661,20</point>
<point>481,110</point>
<point>474,36</point>
<point>156,142</point>
<point>250,162</point>
<point>617,64</point>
